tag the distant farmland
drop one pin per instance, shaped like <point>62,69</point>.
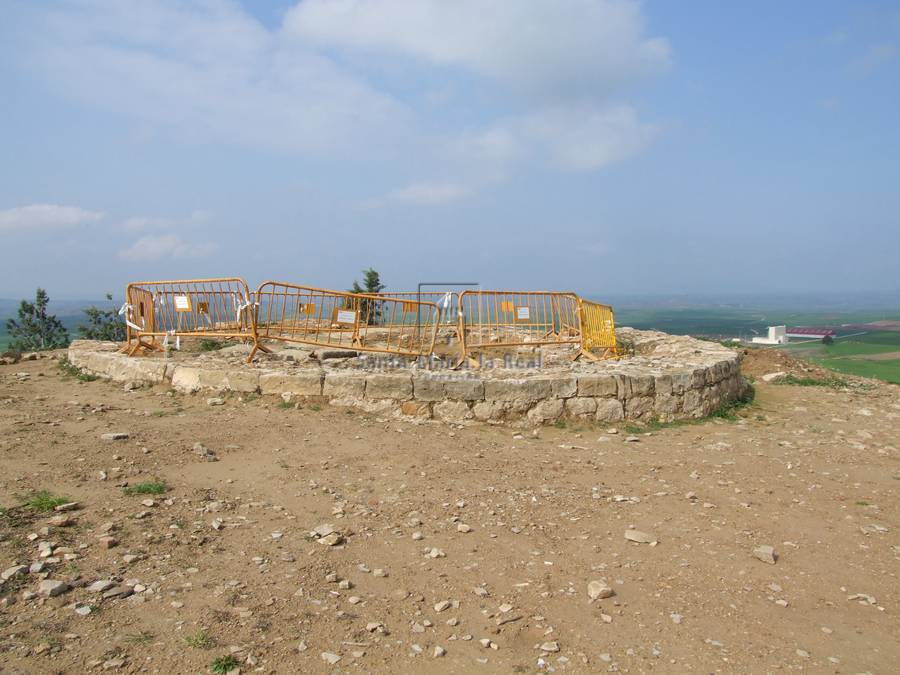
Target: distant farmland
<point>872,354</point>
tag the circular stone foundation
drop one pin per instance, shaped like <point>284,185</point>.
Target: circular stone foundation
<point>666,377</point>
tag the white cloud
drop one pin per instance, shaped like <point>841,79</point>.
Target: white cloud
<point>143,223</point>
<point>587,138</point>
<point>210,72</point>
<point>45,217</point>
<point>577,46</point>
<point>465,89</point>
<point>428,193</point>
<point>158,246</point>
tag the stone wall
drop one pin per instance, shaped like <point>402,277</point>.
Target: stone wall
<point>669,377</point>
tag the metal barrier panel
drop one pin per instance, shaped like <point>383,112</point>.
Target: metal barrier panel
<point>358,321</point>
<point>518,318</point>
<point>448,301</point>
<point>188,307</point>
<point>598,330</point>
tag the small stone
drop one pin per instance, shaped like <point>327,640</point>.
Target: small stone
<point>149,503</point>
<point>380,573</point>
<point>550,647</point>
<point>323,530</point>
<point>803,654</point>
<point>632,439</point>
<point>480,591</point>
<point>354,599</point>
<point>215,401</point>
<point>676,618</point>
<point>14,571</point>
<point>101,586</point>
<point>332,539</point>
<point>83,610</point>
<point>61,521</point>
<point>462,527</point>
<point>640,537</point>
<point>114,436</point>
<point>442,605</point>
<point>330,657</point>
<point>372,626</point>
<point>598,590</point>
<point>418,536</point>
<point>129,558</point>
<point>766,554</point>
<point>68,506</point>
<point>108,542</point>
<point>439,651</point>
<point>50,588</point>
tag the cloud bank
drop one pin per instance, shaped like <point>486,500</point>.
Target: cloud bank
<point>461,92</point>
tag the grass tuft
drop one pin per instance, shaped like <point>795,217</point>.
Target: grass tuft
<point>43,501</point>
<point>832,382</point>
<point>224,664</point>
<point>727,412</point>
<point>200,640</point>
<point>142,638</point>
<point>67,369</point>
<point>213,345</point>
<point>285,405</point>
<point>147,488</point>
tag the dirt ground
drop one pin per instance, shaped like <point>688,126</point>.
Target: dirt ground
<point>458,549</point>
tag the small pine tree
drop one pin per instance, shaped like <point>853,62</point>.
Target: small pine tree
<point>828,340</point>
<point>103,324</point>
<point>371,284</point>
<point>36,330</point>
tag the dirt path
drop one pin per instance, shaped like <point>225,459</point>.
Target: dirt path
<point>226,551</point>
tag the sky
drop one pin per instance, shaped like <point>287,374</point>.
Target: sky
<point>599,146</point>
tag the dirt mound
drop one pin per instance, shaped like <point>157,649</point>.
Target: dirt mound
<point>759,362</point>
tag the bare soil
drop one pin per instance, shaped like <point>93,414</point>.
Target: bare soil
<point>226,563</point>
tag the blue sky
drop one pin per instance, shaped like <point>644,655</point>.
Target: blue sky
<point>602,146</point>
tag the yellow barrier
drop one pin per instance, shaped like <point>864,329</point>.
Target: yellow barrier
<point>490,319</point>
<point>357,321</point>
<point>188,307</point>
<point>598,330</point>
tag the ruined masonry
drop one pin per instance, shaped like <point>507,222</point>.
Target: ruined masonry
<point>668,377</point>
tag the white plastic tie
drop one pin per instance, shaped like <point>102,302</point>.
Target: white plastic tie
<point>125,312</point>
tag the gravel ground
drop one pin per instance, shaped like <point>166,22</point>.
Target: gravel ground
<point>320,540</point>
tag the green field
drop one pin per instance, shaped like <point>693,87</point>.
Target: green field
<point>856,354</point>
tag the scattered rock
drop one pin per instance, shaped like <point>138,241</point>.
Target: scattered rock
<point>640,537</point>
<point>598,590</point>
<point>114,436</point>
<point>330,657</point>
<point>14,571</point>
<point>215,401</point>
<point>766,554</point>
<point>50,588</point>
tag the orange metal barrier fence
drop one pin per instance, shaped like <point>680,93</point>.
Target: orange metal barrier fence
<point>491,319</point>
<point>188,307</point>
<point>357,321</point>
<point>598,330</point>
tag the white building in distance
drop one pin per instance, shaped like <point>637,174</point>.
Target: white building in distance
<point>777,336</point>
